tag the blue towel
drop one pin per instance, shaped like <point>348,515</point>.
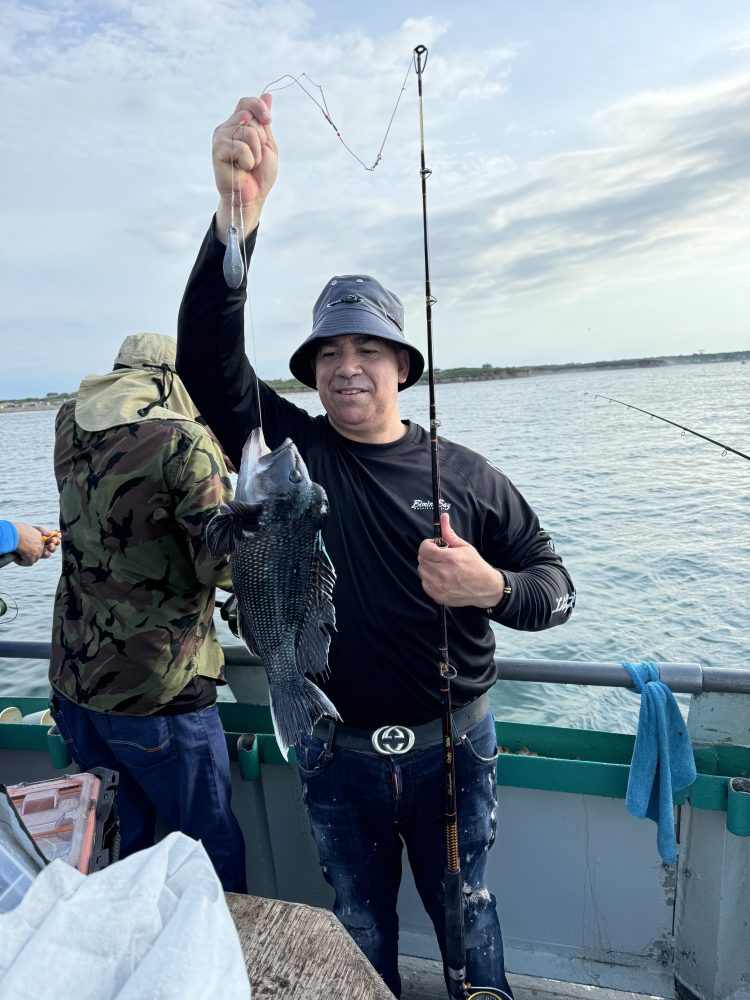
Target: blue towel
<point>663,760</point>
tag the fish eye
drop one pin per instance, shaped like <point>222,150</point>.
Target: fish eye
<point>295,475</point>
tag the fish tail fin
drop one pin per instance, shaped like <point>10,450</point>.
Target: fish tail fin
<point>295,710</point>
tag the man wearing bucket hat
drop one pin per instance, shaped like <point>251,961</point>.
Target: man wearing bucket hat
<point>135,657</point>
<point>349,303</point>
<point>375,782</point>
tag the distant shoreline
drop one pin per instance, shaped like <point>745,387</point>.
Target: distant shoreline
<point>486,373</point>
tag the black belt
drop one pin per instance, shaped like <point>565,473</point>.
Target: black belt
<point>396,739</point>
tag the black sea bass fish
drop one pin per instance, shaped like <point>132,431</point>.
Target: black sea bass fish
<point>283,579</point>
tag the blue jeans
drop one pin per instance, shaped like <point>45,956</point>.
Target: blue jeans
<point>364,807</point>
<point>174,767</point>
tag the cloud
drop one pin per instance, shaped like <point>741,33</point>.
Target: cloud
<point>672,187</point>
<point>107,186</point>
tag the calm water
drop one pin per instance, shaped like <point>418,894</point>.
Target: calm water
<point>653,525</point>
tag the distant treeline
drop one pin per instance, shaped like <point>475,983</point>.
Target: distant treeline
<point>489,373</point>
<point>486,373</point>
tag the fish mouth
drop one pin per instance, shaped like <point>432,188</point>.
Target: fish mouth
<point>264,473</point>
<point>256,453</point>
<point>255,449</point>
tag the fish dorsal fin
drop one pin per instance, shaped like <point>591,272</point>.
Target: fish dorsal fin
<point>221,530</point>
<point>314,637</point>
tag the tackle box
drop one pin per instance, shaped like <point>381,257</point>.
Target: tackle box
<point>73,817</point>
<point>20,858</point>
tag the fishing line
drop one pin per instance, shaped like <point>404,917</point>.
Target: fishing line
<point>235,261</point>
<point>323,108</point>
<point>685,430</point>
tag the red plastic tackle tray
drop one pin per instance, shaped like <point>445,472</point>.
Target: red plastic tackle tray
<point>73,817</point>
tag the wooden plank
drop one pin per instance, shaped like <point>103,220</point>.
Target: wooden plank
<point>301,952</point>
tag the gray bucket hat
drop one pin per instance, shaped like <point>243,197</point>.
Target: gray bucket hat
<point>355,304</point>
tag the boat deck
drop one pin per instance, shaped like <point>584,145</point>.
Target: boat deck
<point>423,980</point>
<point>302,952</point>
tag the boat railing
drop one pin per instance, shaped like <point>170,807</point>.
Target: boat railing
<point>681,678</point>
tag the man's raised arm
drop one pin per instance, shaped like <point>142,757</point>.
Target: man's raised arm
<point>211,357</point>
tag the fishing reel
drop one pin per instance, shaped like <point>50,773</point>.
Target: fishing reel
<point>228,612</point>
<point>8,609</point>
<point>5,599</point>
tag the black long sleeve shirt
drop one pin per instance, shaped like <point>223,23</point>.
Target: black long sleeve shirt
<point>383,656</point>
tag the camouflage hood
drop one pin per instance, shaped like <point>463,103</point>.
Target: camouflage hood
<point>142,386</point>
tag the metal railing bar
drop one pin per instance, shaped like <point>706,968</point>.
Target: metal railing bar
<point>682,678</point>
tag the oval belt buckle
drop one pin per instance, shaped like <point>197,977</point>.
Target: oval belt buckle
<point>393,740</point>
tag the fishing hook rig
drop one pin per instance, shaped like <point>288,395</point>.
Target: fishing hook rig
<point>322,105</point>
<point>235,259</point>
<point>685,430</point>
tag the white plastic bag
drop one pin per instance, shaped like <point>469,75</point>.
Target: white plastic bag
<point>155,925</point>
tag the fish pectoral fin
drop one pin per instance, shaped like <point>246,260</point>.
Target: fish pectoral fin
<point>247,515</point>
<point>220,532</point>
<point>229,522</point>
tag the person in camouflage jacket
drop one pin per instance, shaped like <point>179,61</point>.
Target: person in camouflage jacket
<point>135,656</point>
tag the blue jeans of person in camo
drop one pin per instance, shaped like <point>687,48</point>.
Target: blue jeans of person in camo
<point>171,767</point>
<point>364,807</point>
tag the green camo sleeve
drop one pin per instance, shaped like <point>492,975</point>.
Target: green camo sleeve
<point>203,484</point>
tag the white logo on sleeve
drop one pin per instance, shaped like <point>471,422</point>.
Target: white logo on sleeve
<point>565,603</point>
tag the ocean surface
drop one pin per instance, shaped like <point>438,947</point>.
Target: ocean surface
<point>652,523</point>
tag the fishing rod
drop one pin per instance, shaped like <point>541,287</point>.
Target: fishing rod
<point>685,430</point>
<point>455,948</point>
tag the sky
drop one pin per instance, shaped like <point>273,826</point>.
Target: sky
<point>589,197</point>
